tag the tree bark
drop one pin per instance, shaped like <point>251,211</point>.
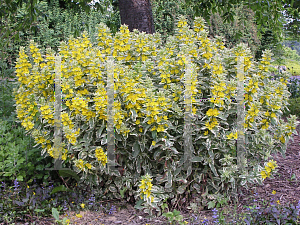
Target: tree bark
<point>137,14</point>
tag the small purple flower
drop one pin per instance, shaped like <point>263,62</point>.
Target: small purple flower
<point>205,221</point>
<point>298,207</point>
<point>215,216</point>
<point>16,184</point>
<point>195,216</point>
<point>112,209</point>
<point>92,200</point>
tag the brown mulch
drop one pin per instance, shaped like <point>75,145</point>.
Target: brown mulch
<point>287,191</point>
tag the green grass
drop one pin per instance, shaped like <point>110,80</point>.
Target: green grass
<point>292,65</point>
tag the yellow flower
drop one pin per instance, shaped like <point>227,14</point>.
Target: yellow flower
<point>273,192</point>
<point>82,205</point>
<point>89,166</point>
<point>273,115</point>
<point>137,122</point>
<point>27,186</point>
<point>33,193</point>
<point>153,142</point>
<point>143,185</point>
<point>229,136</point>
<point>263,174</point>
<point>268,169</point>
<point>78,215</point>
<point>278,202</point>
<point>212,112</point>
<point>68,221</point>
<point>235,135</point>
<point>206,132</point>
<point>272,164</point>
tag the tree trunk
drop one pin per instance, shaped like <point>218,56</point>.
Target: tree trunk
<point>137,14</point>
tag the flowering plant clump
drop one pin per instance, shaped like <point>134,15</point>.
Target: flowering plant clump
<point>101,156</point>
<point>269,168</point>
<point>150,81</point>
<point>150,195</point>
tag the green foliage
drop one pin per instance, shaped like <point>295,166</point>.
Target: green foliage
<point>291,54</point>
<point>17,158</point>
<point>165,14</point>
<point>7,101</point>
<point>57,25</point>
<point>241,29</point>
<point>174,217</point>
<point>294,107</point>
<point>55,214</point>
<point>294,87</point>
<point>294,45</point>
<point>268,41</point>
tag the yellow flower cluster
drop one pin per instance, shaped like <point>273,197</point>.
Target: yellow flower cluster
<point>71,136</point>
<point>153,109</point>
<point>231,135</point>
<point>81,106</point>
<point>66,120</point>
<point>199,24</point>
<point>252,113</point>
<point>80,164</point>
<point>37,58</point>
<point>213,123</point>
<point>40,137</point>
<point>104,39</point>
<point>145,187</point>
<point>46,112</point>
<point>22,67</point>
<point>101,156</point>
<point>212,112</point>
<point>271,165</point>
<point>121,44</point>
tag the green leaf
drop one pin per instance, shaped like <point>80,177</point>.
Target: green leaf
<point>181,189</point>
<point>69,173</point>
<point>92,123</point>
<point>138,204</point>
<point>138,165</point>
<point>213,169</point>
<point>154,134</point>
<point>156,154</point>
<point>135,149</point>
<point>176,213</point>
<point>169,183</point>
<point>123,191</point>
<point>20,178</point>
<point>55,213</point>
<point>39,210</point>
<point>133,114</point>
<point>58,189</point>
<point>197,159</point>
<point>99,132</point>
<point>211,204</point>
<point>112,188</point>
